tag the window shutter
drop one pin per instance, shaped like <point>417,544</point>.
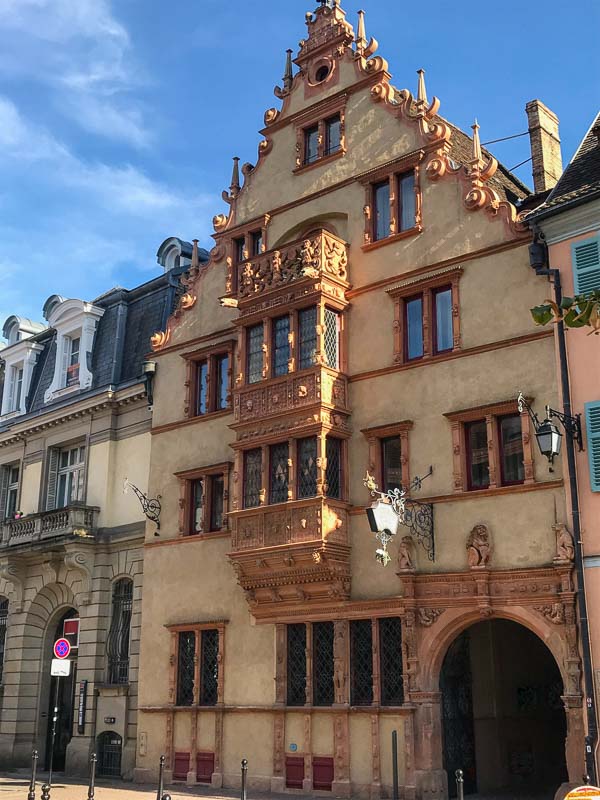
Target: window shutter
<point>12,385</point>
<point>52,478</point>
<point>4,478</point>
<point>592,417</point>
<point>66,348</point>
<point>586,265</point>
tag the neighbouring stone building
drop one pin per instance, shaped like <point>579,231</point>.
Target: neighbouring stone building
<point>365,308</point>
<point>74,426</point>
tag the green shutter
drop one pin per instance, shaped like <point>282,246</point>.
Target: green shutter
<point>586,265</point>
<point>592,418</point>
<point>4,478</point>
<point>53,455</point>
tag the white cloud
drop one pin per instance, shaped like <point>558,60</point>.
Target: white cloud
<point>83,54</point>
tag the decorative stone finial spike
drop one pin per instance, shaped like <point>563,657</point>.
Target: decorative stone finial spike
<point>195,260</point>
<point>421,90</point>
<point>288,78</point>
<point>234,189</point>
<point>361,34</point>
<point>476,142</point>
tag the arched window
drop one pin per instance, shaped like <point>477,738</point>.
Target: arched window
<point>118,636</point>
<point>3,618</point>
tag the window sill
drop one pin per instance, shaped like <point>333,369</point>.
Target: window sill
<point>65,391</point>
<point>396,237</point>
<point>319,162</point>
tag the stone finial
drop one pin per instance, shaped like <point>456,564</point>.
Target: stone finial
<point>195,259</point>
<point>476,143</point>
<point>235,187</point>
<point>361,35</point>
<point>288,76</point>
<point>421,89</point>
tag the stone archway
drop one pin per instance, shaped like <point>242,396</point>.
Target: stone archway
<point>503,719</point>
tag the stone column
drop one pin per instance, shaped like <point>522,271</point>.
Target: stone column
<point>431,779</point>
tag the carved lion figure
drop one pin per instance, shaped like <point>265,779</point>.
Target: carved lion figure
<point>479,547</point>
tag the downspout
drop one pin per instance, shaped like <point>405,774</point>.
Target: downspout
<point>538,258</point>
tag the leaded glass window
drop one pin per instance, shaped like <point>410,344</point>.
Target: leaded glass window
<point>185,668</point>
<point>222,382</point>
<point>255,337</point>
<point>361,662</point>
<point>332,338</point>
<point>296,665</point>
<point>252,477</point>
<point>217,485</point>
<point>390,649</point>
<point>307,467</point>
<point>391,458</point>
<point>278,457</point>
<point>118,636</point>
<point>333,134</point>
<point>209,669</point>
<point>3,621</point>
<point>198,506</point>
<point>323,692</point>
<point>406,193</point>
<point>381,210</point>
<point>307,337</point>
<point>478,459</point>
<point>281,345</point>
<point>333,472</point>
<point>511,449</point>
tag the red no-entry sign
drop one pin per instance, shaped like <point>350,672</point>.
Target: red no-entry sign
<point>62,648</point>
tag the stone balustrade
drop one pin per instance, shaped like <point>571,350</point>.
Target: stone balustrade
<point>74,520</point>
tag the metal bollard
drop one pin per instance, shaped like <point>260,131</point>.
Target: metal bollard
<point>161,770</point>
<point>244,778</point>
<point>34,760</point>
<point>460,784</point>
<point>46,791</point>
<point>92,783</point>
<point>166,796</point>
<point>586,779</point>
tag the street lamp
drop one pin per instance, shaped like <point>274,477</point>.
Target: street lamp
<point>549,437</point>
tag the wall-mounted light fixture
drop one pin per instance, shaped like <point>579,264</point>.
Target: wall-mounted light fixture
<point>549,437</point>
<point>149,371</point>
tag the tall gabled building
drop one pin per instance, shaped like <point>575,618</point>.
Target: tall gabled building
<point>74,426</point>
<point>364,309</point>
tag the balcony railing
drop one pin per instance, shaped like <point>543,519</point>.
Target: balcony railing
<point>74,520</point>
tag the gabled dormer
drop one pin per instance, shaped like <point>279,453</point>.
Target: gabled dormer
<point>19,357</point>
<point>75,322</point>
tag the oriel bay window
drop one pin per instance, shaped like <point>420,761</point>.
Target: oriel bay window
<point>291,470</point>
<point>198,664</point>
<point>209,380</point>
<point>426,318</point>
<point>492,447</point>
<point>203,500</point>
<point>292,342</point>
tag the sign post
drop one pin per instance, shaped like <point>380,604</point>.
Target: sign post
<point>60,667</point>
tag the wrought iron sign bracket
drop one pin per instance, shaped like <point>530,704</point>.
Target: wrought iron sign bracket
<point>151,506</point>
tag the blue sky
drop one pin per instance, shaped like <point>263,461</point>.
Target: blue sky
<point>118,120</point>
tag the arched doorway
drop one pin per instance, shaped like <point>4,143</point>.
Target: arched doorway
<point>503,719</point>
<point>66,695</point>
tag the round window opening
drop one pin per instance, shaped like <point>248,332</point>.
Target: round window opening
<point>322,74</point>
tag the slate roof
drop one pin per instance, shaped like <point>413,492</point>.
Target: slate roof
<point>114,363</point>
<point>580,181</point>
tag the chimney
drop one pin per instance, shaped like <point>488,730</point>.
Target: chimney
<point>545,146</point>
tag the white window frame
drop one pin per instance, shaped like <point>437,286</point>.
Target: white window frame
<point>73,471</point>
<point>72,319</point>
<point>20,356</point>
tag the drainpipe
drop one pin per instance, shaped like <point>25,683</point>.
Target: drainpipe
<point>538,259</point>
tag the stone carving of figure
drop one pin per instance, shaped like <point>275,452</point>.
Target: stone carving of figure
<point>248,279</point>
<point>307,259</point>
<point>479,548</point>
<point>565,550</point>
<point>405,558</point>
<point>276,267</point>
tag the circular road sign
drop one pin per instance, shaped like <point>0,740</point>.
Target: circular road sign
<point>583,792</point>
<point>62,648</point>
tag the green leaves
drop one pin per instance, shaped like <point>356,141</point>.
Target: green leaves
<point>576,312</point>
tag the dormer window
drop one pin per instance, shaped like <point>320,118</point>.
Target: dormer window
<point>75,322</point>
